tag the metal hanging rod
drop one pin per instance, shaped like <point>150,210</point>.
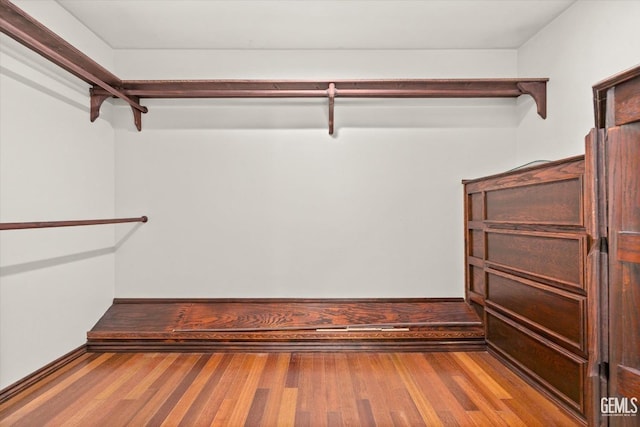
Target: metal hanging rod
<point>50,224</point>
<point>17,24</point>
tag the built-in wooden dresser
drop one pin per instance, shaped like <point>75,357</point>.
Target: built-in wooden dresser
<point>526,255</point>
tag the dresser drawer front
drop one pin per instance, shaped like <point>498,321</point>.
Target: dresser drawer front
<point>551,257</point>
<point>557,202</point>
<point>559,314</point>
<point>556,369</point>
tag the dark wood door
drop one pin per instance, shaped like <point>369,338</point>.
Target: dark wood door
<point>623,176</point>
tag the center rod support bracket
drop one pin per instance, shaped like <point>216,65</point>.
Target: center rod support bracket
<point>331,92</point>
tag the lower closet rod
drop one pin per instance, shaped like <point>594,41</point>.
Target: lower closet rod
<point>48,224</point>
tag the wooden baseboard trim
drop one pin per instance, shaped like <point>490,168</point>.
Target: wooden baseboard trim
<point>281,300</point>
<point>20,385</point>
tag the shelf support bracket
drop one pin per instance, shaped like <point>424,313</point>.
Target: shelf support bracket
<point>332,97</point>
<point>137,114</point>
<point>96,100</point>
<point>99,95</point>
<point>538,91</point>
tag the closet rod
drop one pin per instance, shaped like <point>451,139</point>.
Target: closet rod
<point>49,224</point>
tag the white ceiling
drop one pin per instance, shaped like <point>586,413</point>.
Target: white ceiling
<point>315,24</point>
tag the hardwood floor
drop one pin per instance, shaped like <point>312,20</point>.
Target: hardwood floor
<point>280,389</point>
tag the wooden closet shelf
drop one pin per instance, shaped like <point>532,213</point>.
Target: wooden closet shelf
<point>28,31</point>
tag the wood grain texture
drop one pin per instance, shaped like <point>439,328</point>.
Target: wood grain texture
<point>550,257</point>
<point>571,167</point>
<point>44,374</point>
<point>627,102</point>
<point>556,202</point>
<point>536,305</point>
<point>477,281</point>
<point>629,247</point>
<point>319,389</point>
<point>623,179</point>
<point>287,325</point>
<point>476,244</point>
<point>595,273</point>
<point>559,370</point>
<point>476,207</point>
<point>533,283</point>
<point>602,89</point>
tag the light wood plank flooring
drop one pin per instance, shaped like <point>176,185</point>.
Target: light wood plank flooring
<point>282,389</point>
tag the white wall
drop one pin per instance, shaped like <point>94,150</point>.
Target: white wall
<point>589,42</point>
<point>54,165</point>
<point>252,198</point>
<point>281,209</point>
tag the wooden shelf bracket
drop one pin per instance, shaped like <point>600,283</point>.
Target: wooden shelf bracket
<point>538,91</point>
<point>96,100</point>
<point>97,97</point>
